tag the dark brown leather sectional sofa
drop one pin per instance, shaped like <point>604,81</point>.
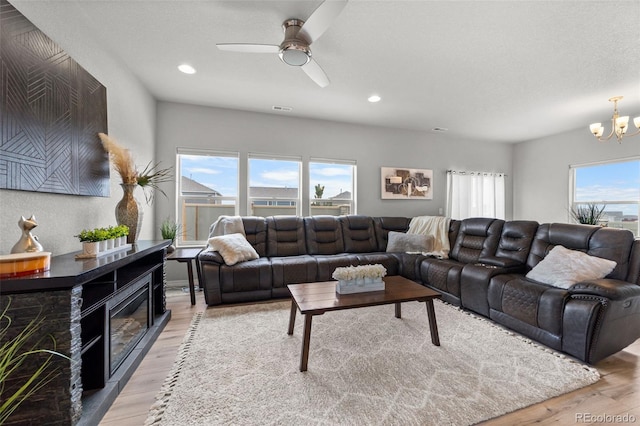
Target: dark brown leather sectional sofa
<point>485,273</point>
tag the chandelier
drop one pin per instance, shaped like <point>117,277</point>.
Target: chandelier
<point>619,125</point>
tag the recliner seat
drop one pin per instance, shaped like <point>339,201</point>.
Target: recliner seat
<point>477,239</point>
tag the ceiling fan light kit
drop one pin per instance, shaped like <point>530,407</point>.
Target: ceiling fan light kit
<point>619,125</point>
<point>298,36</point>
<point>293,50</point>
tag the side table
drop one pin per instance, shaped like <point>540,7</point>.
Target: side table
<point>187,255</point>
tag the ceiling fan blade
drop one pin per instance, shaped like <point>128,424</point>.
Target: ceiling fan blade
<point>313,70</point>
<point>321,19</point>
<point>248,48</point>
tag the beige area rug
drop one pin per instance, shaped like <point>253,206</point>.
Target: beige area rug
<point>238,366</point>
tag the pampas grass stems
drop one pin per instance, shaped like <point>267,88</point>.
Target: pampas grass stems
<point>123,163</point>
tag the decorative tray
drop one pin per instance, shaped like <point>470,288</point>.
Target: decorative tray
<point>17,264</point>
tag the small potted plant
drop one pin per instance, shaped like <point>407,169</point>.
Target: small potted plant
<point>90,242</point>
<point>100,240</point>
<point>102,235</point>
<point>169,229</point>
<point>111,238</point>
<point>120,233</point>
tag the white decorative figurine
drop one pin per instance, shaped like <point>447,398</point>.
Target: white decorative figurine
<point>27,242</point>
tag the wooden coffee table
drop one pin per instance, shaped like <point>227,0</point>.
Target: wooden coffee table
<point>320,297</point>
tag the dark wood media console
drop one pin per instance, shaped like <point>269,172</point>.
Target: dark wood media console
<point>103,313</point>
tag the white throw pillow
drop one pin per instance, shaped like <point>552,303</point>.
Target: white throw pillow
<point>233,248</point>
<point>409,243</point>
<point>563,268</point>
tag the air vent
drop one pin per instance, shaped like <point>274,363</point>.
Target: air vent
<point>439,129</point>
<point>281,108</point>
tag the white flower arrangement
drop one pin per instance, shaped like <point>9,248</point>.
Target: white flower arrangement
<point>350,273</point>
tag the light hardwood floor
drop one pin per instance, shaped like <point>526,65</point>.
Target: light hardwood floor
<point>616,393</point>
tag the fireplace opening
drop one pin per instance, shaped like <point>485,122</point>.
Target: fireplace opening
<point>129,321</point>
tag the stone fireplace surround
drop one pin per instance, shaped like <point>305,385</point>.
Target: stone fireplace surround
<point>75,297</point>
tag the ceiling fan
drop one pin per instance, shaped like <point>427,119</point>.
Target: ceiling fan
<point>298,36</point>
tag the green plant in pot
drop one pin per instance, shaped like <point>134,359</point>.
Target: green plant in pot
<point>588,214</point>
<point>16,348</point>
<point>169,230</point>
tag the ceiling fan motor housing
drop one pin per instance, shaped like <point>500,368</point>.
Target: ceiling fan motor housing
<point>294,50</point>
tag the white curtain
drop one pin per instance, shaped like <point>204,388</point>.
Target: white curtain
<point>475,194</point>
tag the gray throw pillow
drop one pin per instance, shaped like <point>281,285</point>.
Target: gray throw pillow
<point>563,268</point>
<point>409,243</point>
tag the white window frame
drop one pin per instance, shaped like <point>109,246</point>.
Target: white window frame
<point>352,202</point>
<point>572,190</point>
<point>274,200</point>
<point>212,199</point>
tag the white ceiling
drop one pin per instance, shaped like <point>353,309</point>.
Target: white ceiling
<point>503,71</point>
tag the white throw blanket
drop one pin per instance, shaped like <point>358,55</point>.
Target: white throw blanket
<point>438,226</point>
<point>227,225</point>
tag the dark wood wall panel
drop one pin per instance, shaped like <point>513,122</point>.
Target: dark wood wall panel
<point>51,113</point>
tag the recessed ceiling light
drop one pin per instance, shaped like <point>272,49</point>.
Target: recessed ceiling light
<point>187,69</point>
<point>374,98</point>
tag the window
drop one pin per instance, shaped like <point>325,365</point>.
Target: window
<point>207,189</point>
<point>612,185</point>
<point>331,187</point>
<point>274,185</point>
<point>475,194</point>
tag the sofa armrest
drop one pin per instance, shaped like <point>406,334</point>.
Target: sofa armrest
<point>601,318</point>
<point>209,263</point>
<point>608,288</point>
<point>211,257</point>
<point>501,262</point>
<point>474,283</point>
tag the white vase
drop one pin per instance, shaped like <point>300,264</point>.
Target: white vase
<point>111,243</point>
<point>102,245</point>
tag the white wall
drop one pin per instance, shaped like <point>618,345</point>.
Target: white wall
<point>541,184</point>
<point>181,125</point>
<point>131,120</point>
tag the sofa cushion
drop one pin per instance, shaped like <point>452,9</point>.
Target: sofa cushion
<point>390,262</point>
<point>607,243</point>
<point>255,229</point>
<point>409,243</point>
<point>250,276</point>
<point>233,248</point>
<point>538,305</point>
<point>563,267</point>
<point>324,235</point>
<point>328,263</point>
<point>285,236</point>
<point>443,275</point>
<point>477,237</point>
<point>515,240</point>
<point>358,233</point>
<point>293,270</point>
<point>384,225</point>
